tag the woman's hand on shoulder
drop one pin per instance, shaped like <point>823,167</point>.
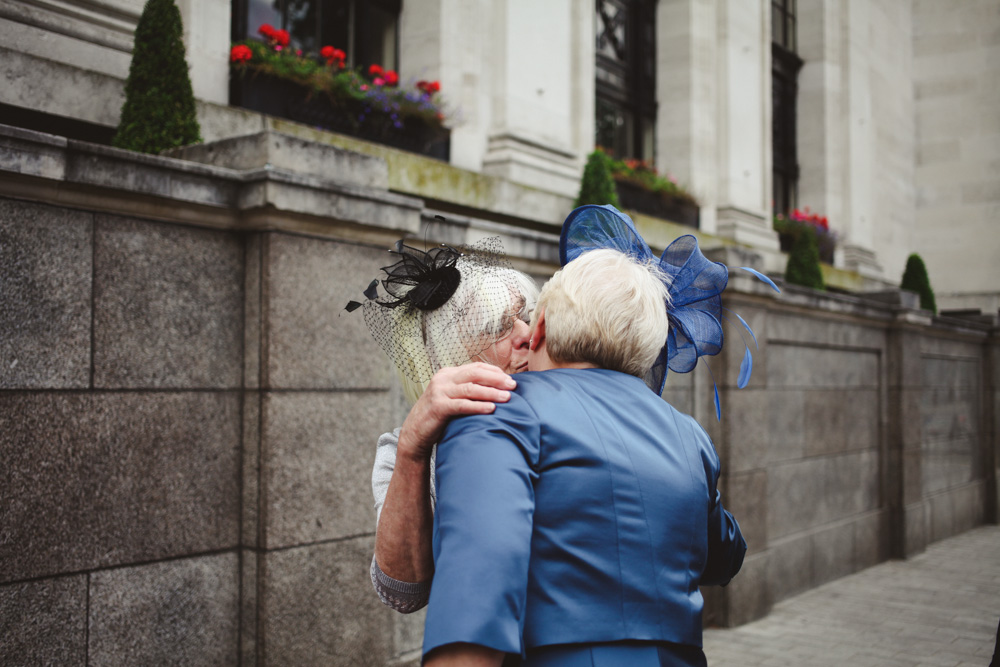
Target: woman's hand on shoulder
<point>471,389</point>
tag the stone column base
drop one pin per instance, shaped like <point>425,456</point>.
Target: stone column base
<point>747,228</point>
<point>861,260</point>
<point>524,161</point>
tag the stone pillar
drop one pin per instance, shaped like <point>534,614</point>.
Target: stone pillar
<point>743,122</point>
<point>206,40</point>
<point>821,128</point>
<point>902,475</point>
<point>859,141</point>
<point>542,92</point>
<point>687,98</point>
<point>518,78</point>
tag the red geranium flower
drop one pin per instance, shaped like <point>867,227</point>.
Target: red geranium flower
<point>391,78</point>
<point>327,52</point>
<point>267,30</point>
<point>376,70</point>
<point>240,53</point>
<point>429,87</point>
<point>282,37</point>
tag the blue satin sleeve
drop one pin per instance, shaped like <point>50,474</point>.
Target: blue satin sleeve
<point>482,529</point>
<point>726,546</point>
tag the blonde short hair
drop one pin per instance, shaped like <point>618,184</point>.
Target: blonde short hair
<point>481,311</point>
<point>607,309</point>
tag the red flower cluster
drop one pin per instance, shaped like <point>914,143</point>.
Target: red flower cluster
<point>429,87</point>
<point>240,53</point>
<point>279,38</point>
<point>332,55</point>
<point>383,77</point>
<point>814,219</point>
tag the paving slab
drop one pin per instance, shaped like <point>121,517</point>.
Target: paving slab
<point>938,608</point>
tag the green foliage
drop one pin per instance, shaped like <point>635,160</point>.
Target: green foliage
<point>597,186</point>
<point>803,262</point>
<point>159,111</point>
<point>915,279</point>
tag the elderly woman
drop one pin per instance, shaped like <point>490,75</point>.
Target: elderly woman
<point>455,325</point>
<point>576,522</point>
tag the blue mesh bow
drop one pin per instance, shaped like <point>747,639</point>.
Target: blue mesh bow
<point>695,287</point>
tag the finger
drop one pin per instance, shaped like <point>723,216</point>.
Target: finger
<point>478,392</point>
<point>484,374</point>
<point>466,407</point>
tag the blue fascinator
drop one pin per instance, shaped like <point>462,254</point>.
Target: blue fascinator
<point>695,287</point>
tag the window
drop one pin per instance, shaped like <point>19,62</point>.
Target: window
<point>626,77</point>
<point>367,30</point>
<point>785,66</point>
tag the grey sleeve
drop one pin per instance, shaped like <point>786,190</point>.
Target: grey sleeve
<point>402,596</point>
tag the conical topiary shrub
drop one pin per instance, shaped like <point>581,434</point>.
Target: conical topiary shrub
<point>915,279</point>
<point>597,186</point>
<point>803,262</point>
<point>159,110</point>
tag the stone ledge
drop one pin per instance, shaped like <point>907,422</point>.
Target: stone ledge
<point>105,179</point>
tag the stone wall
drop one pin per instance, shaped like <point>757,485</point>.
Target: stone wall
<point>864,435</point>
<point>188,416</point>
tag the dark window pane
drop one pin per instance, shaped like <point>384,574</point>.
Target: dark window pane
<point>300,22</point>
<point>335,28</point>
<point>260,12</point>
<point>626,76</point>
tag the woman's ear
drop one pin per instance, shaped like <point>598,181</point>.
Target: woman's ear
<point>537,332</point>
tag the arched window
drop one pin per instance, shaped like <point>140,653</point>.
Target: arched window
<point>626,77</point>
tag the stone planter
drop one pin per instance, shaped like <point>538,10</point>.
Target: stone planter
<point>286,99</point>
<point>657,204</point>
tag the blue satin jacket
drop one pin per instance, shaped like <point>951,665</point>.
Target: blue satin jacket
<point>583,510</point>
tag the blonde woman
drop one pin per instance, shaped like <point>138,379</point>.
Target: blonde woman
<point>576,521</point>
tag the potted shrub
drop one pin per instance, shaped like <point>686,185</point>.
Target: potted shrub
<point>915,279</point>
<point>597,186</point>
<point>159,111</point>
<point>803,262</point>
<point>320,90</point>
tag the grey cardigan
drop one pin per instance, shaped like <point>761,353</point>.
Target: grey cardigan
<point>402,596</point>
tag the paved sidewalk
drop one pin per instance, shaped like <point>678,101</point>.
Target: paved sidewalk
<point>938,608</point>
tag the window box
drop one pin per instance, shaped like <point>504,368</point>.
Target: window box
<point>657,204</point>
<point>284,98</point>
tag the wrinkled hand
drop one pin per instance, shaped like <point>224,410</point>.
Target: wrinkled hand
<point>471,389</point>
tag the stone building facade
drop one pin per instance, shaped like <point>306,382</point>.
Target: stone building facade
<point>896,139</point>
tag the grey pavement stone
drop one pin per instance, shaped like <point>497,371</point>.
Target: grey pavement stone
<point>168,308</point>
<point>96,480</point>
<point>937,608</point>
<point>44,622</point>
<point>45,288</point>
<point>179,612</point>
